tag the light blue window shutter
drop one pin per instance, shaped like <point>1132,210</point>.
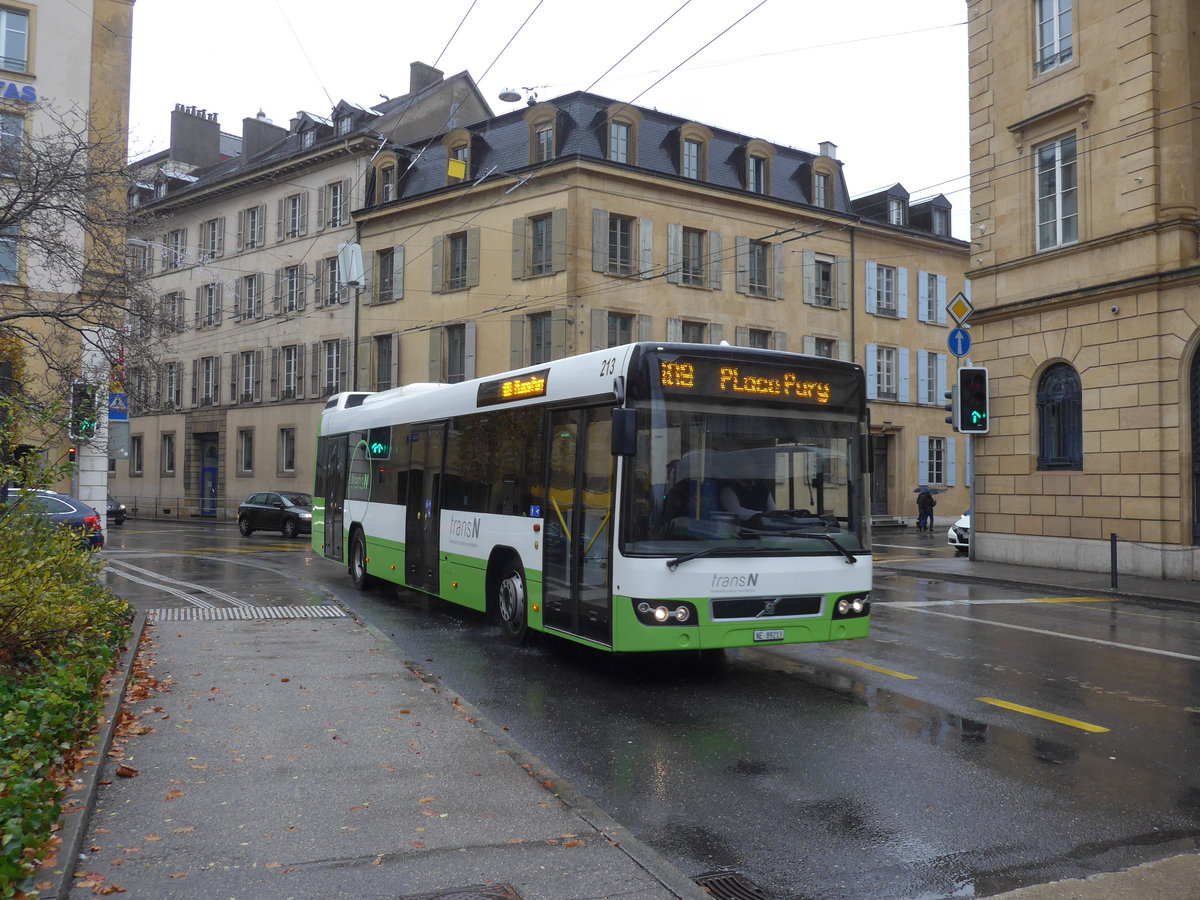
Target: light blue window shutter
<point>674,329</point>
<point>939,302</point>
<point>716,333</point>
<point>646,248</point>
<point>871,279</point>
<point>741,336</point>
<point>843,284</point>
<point>843,351</point>
<point>923,460</point>
<point>940,396</point>
<point>922,376</point>
<point>902,365</point>
<point>674,252</point>
<point>645,326</point>
<point>599,241</point>
<point>599,329</point>
<point>469,350</point>
<point>808,344</point>
<point>716,260</point>
<point>872,373</point>
<point>779,340</point>
<point>902,292</point>
<point>516,342</point>
<point>922,298</point>
<point>967,288</point>
<point>951,463</point>
<point>779,261</point>
<point>741,253</point>
<point>809,262</point>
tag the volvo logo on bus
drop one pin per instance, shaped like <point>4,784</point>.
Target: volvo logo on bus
<point>734,582</point>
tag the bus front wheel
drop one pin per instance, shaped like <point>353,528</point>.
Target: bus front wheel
<point>358,560</point>
<point>511,602</point>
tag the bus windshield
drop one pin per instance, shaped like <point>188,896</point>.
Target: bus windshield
<point>747,480</point>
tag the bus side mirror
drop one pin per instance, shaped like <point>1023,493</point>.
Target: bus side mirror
<point>624,432</point>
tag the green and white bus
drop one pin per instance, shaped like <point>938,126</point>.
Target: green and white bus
<point>647,497</point>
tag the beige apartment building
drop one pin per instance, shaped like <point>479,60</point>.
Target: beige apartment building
<point>551,230</point>
<point>1085,150</point>
<point>63,64</point>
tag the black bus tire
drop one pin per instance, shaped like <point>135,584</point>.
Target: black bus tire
<point>358,560</point>
<point>512,601</point>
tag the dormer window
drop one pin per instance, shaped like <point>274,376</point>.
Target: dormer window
<point>387,184</point>
<point>757,172</point>
<point>941,221</point>
<point>458,155</point>
<point>622,127</point>
<point>693,151</point>
<point>543,132</point>
<point>895,211</point>
<point>344,124</point>
<point>308,138</point>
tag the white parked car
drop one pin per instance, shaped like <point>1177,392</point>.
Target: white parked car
<point>959,535</point>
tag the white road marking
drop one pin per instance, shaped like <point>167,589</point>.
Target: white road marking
<point>120,565</point>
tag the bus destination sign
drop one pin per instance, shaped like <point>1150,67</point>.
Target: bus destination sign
<point>509,390</point>
<point>712,378</point>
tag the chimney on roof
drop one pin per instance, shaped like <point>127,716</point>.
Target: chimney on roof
<point>258,134</point>
<point>195,136</point>
<point>828,148</point>
<point>421,76</point>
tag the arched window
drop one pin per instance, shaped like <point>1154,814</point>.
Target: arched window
<point>1060,419</point>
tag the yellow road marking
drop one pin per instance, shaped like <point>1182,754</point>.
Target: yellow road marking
<point>1073,600</point>
<point>1029,711</point>
<point>863,665</point>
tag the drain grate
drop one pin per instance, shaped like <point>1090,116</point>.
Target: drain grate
<point>473,892</point>
<point>192,614</point>
<point>731,886</point>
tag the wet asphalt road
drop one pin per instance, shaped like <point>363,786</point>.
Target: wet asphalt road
<point>980,740</point>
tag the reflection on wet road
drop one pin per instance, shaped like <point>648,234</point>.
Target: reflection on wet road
<point>942,757</point>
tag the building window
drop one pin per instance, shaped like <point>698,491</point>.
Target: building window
<point>825,347</point>
<point>308,138</point>
<point>691,164</point>
<point>758,338</point>
<point>14,40</point>
<point>885,373</point>
<point>293,289</point>
<point>173,310</point>
<point>210,300</point>
<point>694,332</point>
<point>543,142</point>
<point>250,234</point>
<point>291,370</point>
<point>822,282</point>
<point>619,141</point>
<point>459,167</point>
<point>249,375</point>
<point>212,239</point>
<point>250,302</point>
<point>456,261</point>
<point>344,124</point>
<point>333,365</point>
<point>692,271</point>
<point>384,261</point>
<point>456,353</point>
<point>383,362</point>
<point>335,195</point>
<point>932,381</point>
<point>935,465</point>
<point>174,252</point>
<point>136,454</point>
<point>822,189</point>
<point>387,184</point>
<point>539,338</point>
<point>287,450</point>
<point>757,272</point>
<point>1060,419</point>
<point>296,223</point>
<point>895,211</point>
<point>168,454</point>
<point>1054,38</point>
<point>620,245</point>
<point>756,174</point>
<point>1057,193</point>
<point>333,280</point>
<point>541,245</point>
<point>208,380</point>
<point>941,222</point>
<point>620,329</point>
<point>10,267</point>
<point>245,456</point>
<point>172,385</point>
<point>885,290</point>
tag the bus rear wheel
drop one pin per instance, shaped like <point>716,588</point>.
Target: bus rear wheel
<point>511,602</point>
<point>358,560</point>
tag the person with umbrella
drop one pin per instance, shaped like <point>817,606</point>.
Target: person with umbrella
<point>925,505</point>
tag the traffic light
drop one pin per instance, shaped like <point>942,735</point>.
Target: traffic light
<point>84,416</point>
<point>952,406</point>
<point>972,412</point>
<point>71,454</point>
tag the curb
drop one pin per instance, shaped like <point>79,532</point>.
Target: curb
<point>73,824</point>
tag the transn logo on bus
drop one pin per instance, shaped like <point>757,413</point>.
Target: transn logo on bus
<point>732,582</point>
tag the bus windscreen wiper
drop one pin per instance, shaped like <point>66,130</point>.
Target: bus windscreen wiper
<point>850,557</point>
<point>707,551</point>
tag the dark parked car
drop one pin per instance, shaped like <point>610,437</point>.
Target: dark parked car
<point>116,511</point>
<point>61,509</point>
<point>286,511</point>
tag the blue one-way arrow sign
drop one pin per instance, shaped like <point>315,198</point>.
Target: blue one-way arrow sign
<point>959,341</point>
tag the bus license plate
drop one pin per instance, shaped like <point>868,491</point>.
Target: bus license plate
<point>772,634</point>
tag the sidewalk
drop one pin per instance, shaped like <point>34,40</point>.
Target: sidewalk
<point>305,758</point>
<point>302,758</point>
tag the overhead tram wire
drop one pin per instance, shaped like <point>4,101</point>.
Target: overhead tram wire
<point>632,49</point>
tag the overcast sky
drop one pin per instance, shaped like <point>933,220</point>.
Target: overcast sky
<point>886,81</point>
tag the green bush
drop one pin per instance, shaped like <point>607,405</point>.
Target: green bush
<point>60,632</point>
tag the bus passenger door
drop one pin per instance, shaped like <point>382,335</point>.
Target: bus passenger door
<point>423,512</point>
<point>577,596</point>
<point>333,467</point>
